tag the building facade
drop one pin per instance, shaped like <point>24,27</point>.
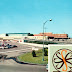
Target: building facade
<point>53,36</point>
<point>20,37</point>
<point>17,34</point>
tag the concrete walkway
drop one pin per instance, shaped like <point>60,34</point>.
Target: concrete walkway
<point>32,44</point>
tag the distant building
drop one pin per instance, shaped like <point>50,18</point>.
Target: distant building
<point>53,36</point>
<point>14,36</point>
<point>20,37</point>
<point>17,34</point>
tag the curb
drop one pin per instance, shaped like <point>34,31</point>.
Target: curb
<point>34,44</point>
<point>28,62</point>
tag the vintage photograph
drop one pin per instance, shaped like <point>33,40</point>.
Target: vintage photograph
<point>27,28</point>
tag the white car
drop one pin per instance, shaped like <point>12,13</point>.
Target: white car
<point>2,47</point>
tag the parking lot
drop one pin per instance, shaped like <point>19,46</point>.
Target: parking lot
<point>11,66</point>
<point>19,47</point>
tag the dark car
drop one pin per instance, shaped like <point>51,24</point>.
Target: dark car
<point>1,56</point>
<point>9,46</point>
<point>14,46</point>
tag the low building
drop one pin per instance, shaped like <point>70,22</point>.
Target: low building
<point>53,36</point>
<point>17,34</point>
<point>20,37</point>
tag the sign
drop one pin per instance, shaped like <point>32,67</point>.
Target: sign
<point>59,58</point>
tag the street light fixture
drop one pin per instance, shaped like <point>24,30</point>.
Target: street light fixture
<point>43,37</point>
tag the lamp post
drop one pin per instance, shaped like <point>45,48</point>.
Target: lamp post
<point>43,37</point>
<point>45,32</point>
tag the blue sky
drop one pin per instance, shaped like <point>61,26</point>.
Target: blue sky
<point>29,16</point>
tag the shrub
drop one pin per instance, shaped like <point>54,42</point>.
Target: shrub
<point>45,52</point>
<point>33,53</point>
<point>40,42</point>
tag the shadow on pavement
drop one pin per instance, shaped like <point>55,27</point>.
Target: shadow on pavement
<point>16,60</point>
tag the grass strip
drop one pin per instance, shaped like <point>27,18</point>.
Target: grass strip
<point>27,57</point>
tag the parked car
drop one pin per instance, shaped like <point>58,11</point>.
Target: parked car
<point>0,45</point>
<point>1,56</point>
<point>14,46</point>
<point>47,67</point>
<point>9,46</point>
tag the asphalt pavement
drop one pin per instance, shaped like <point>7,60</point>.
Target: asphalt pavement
<point>19,47</point>
<point>22,68</point>
<point>12,66</point>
